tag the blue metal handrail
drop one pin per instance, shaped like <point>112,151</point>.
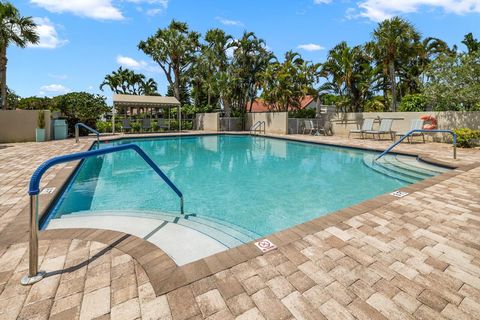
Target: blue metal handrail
<point>77,133</point>
<point>34,189</point>
<point>422,130</point>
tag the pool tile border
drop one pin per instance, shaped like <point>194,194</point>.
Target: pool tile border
<point>166,276</point>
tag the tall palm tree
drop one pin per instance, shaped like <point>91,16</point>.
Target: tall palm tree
<point>393,38</point>
<point>17,30</point>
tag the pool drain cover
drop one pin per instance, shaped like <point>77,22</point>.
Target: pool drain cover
<point>265,245</point>
<point>399,194</point>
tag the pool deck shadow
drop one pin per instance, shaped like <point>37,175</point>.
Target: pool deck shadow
<point>410,257</point>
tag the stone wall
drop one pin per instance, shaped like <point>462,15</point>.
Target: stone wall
<point>275,122</point>
<point>207,121</point>
<point>20,125</point>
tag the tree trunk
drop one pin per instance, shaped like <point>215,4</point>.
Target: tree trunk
<point>391,67</point>
<point>3,77</point>
<point>176,84</point>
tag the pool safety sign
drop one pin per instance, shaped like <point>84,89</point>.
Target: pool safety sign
<point>265,245</point>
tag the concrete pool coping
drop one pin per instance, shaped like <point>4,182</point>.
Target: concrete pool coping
<point>162,271</point>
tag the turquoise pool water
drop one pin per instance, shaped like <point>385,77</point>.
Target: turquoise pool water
<point>259,184</point>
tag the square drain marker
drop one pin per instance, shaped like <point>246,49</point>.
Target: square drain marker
<point>48,190</point>
<point>399,194</point>
<point>265,245</point>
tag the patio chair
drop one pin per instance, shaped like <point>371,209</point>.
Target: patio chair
<point>385,128</point>
<point>307,126</point>
<point>414,125</point>
<point>367,125</point>
<point>161,124</point>
<point>146,124</point>
<point>126,125</point>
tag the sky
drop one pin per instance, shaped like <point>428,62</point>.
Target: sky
<point>83,40</point>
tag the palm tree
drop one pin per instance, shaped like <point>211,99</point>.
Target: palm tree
<point>349,75</point>
<point>174,49</point>
<point>17,30</point>
<point>148,87</point>
<point>393,38</point>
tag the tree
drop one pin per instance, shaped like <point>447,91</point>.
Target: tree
<point>81,107</point>
<point>393,39</point>
<point>36,103</point>
<point>125,81</point>
<point>472,44</point>
<point>209,64</point>
<point>285,84</point>
<point>350,75</point>
<point>12,99</point>
<point>454,82</point>
<point>17,30</point>
<point>250,59</point>
<point>174,49</point>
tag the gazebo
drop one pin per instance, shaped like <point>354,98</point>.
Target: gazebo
<point>133,104</point>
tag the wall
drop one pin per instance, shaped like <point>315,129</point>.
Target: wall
<point>207,121</point>
<point>344,122</point>
<point>20,125</point>
<point>275,122</point>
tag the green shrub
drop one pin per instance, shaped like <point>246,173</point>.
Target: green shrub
<point>376,104</point>
<point>104,126</point>
<point>303,113</point>
<point>413,103</point>
<point>466,137</point>
<point>136,126</point>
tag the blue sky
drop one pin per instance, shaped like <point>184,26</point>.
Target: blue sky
<point>83,40</point>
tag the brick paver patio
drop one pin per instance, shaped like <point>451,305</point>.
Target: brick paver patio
<point>413,257</point>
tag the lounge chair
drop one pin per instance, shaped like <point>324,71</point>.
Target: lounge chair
<point>414,125</point>
<point>307,126</point>
<point>126,125</point>
<point>161,124</point>
<point>367,125</point>
<point>146,124</point>
<point>385,128</point>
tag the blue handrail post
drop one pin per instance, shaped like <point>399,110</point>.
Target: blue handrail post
<point>77,133</point>
<point>34,275</point>
<point>421,130</point>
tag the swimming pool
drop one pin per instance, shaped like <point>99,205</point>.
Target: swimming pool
<point>253,185</point>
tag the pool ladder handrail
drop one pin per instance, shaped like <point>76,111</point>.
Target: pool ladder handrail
<point>34,275</point>
<point>393,145</point>
<point>258,127</point>
<point>77,133</point>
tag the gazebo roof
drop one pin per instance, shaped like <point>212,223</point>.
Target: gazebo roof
<point>127,100</point>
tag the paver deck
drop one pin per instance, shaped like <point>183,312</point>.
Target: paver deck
<point>413,257</point>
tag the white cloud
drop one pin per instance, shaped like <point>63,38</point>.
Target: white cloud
<point>52,89</point>
<point>155,7</point>
<point>322,1</point>
<point>96,9</point>
<point>229,22</point>
<point>378,10</point>
<point>131,63</point>
<point>310,47</point>
<point>48,34</point>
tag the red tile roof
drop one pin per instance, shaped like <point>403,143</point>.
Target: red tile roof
<point>259,105</point>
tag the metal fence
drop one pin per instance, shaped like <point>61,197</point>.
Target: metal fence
<point>297,125</point>
<point>230,124</point>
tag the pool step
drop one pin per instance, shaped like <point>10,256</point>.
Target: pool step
<point>225,233</point>
<point>404,168</point>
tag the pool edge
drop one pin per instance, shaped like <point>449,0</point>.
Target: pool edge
<point>162,271</point>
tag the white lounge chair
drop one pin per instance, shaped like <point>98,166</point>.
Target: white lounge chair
<point>385,128</point>
<point>367,125</point>
<point>414,125</point>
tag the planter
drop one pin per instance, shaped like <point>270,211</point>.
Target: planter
<point>39,135</point>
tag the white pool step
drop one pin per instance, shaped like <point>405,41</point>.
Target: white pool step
<point>404,168</point>
<point>225,233</point>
